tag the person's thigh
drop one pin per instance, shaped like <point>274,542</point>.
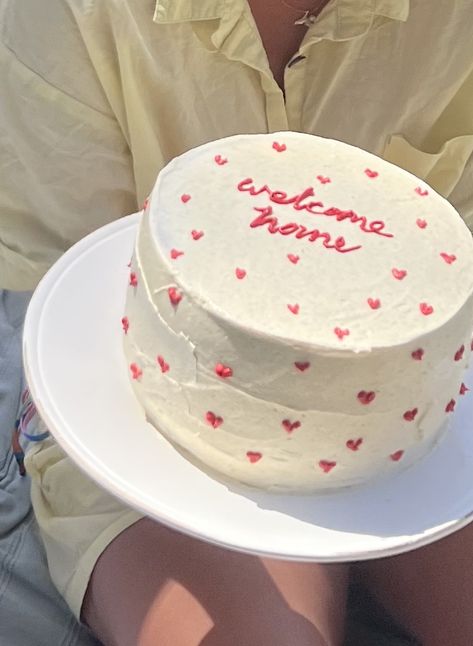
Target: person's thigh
<point>430,590</point>
<point>153,586</point>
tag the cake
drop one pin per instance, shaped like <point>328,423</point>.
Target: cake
<point>299,312</point>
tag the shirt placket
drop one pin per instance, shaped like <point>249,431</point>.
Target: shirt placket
<point>238,41</point>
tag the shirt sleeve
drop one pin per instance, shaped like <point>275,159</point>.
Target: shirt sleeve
<point>65,169</point>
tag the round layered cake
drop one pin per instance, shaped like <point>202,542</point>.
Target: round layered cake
<point>299,311</point>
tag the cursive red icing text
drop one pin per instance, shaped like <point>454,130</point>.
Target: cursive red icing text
<point>301,202</point>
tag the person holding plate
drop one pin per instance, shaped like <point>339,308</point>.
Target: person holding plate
<point>97,97</point>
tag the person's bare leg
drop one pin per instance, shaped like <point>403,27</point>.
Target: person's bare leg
<point>430,590</point>
<point>155,587</point>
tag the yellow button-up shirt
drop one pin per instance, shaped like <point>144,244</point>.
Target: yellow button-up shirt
<point>97,95</point>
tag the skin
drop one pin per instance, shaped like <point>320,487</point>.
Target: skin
<point>155,587</point>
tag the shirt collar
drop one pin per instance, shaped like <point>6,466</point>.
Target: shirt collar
<point>349,13</point>
<point>169,11</point>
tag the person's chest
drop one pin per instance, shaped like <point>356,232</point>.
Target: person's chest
<point>281,28</point>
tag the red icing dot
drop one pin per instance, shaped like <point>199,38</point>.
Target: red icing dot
<point>421,223</point>
<point>174,296</point>
<point>185,197</point>
<point>254,456</point>
<point>240,273</point>
<point>354,445</point>
<point>450,407</point>
<point>449,258</point>
<point>220,160</point>
<point>463,389</point>
<point>175,253</point>
<point>279,147</point>
<point>421,191</point>
<point>327,465</point>
<point>145,204</point>
<point>426,309</point>
<point>290,426</point>
<point>196,235</point>
<point>162,363</point>
<point>133,279</point>
<point>395,457</point>
<point>125,324</point>
<point>294,308</point>
<point>371,173</point>
<point>302,365</point>
<point>409,415</point>
<point>323,180</point>
<point>136,371</point>
<point>459,353</point>
<point>417,354</point>
<point>341,333</point>
<point>293,258</point>
<point>399,274</point>
<point>374,303</point>
<point>365,397</point>
<point>223,371</point>
<point>213,420</point>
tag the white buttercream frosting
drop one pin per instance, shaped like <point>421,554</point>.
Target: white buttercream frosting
<point>300,311</point>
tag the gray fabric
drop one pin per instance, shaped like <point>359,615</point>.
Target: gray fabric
<point>32,613</point>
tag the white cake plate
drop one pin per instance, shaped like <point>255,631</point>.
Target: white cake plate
<point>79,381</point>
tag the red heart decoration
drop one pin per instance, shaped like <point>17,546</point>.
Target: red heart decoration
<point>459,353</point>
<point>417,354</point>
<point>125,324</point>
<point>341,333</point>
<point>162,364</point>
<point>426,309</point>
<point>223,371</point>
<point>220,160</point>
<point>133,279</point>
<point>253,456</point>
<point>136,371</point>
<point>395,457</point>
<point>399,274</point>
<point>323,180</point>
<point>290,426</point>
<point>449,258</point>
<point>174,296</point>
<point>409,415</point>
<point>371,173</point>
<point>293,258</point>
<point>354,445</point>
<point>293,308</point>
<point>185,198</point>
<point>421,223</point>
<point>327,465</point>
<point>279,147</point>
<point>463,389</point>
<point>213,419</point>
<point>302,365</point>
<point>450,407</point>
<point>240,273</point>
<point>197,235</point>
<point>374,303</point>
<point>365,397</point>
<point>175,253</point>
<point>421,191</point>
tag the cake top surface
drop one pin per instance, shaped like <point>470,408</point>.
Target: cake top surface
<point>311,240</point>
